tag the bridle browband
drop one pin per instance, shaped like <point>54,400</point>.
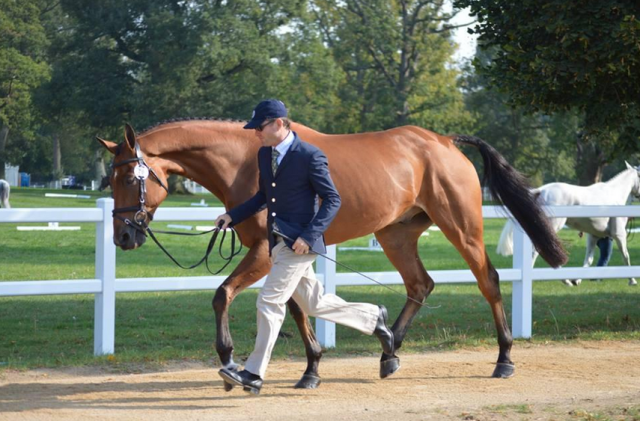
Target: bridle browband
<point>139,223</point>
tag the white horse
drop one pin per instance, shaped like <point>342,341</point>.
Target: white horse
<point>614,192</point>
<point>5,189</point>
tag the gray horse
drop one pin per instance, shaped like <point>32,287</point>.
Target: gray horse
<point>5,189</point>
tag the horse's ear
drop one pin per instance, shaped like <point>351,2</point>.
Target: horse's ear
<point>110,146</point>
<point>130,136</point>
<point>629,167</point>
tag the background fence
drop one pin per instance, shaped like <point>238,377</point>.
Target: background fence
<point>105,285</point>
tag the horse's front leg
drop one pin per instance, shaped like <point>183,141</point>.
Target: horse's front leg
<point>310,379</point>
<point>253,266</point>
<point>622,245</point>
<point>619,234</point>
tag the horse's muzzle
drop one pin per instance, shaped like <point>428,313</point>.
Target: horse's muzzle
<point>128,238</point>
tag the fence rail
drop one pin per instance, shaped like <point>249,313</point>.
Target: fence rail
<point>105,284</point>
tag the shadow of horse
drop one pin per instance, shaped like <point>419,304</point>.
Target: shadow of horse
<point>118,395</point>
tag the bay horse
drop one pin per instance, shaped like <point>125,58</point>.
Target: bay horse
<point>616,191</point>
<point>5,190</point>
<point>394,183</point>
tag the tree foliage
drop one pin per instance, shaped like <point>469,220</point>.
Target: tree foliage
<point>341,66</point>
<point>22,68</point>
<point>542,146</point>
<point>396,57</point>
<point>558,55</point>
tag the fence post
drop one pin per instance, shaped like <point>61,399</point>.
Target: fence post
<point>522,298</point>
<point>105,301</point>
<point>326,331</point>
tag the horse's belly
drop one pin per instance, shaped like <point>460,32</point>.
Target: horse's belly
<point>593,226</point>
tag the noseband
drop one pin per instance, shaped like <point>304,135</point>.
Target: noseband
<point>141,172</point>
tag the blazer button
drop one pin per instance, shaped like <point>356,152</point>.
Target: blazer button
<point>273,184</point>
<point>273,200</point>
<point>273,214</point>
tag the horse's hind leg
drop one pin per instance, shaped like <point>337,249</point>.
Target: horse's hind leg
<point>310,379</point>
<point>463,226</point>
<point>400,244</point>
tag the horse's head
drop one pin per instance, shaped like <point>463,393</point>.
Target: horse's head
<point>138,189</point>
<point>635,190</point>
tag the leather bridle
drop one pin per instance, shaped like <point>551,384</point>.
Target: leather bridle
<point>142,171</point>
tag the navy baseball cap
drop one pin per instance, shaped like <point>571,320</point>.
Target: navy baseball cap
<point>267,109</point>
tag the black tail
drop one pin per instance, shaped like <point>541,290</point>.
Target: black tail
<point>512,190</point>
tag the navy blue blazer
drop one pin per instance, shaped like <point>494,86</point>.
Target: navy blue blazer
<point>291,196</point>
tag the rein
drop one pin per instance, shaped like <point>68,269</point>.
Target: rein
<point>141,172</point>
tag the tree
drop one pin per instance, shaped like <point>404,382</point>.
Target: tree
<point>541,146</point>
<point>558,55</point>
<point>396,56</point>
<point>22,67</point>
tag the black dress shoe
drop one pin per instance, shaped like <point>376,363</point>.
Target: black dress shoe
<point>250,382</point>
<point>383,332</point>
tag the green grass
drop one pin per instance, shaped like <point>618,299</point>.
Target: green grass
<point>153,328</point>
<point>630,413</point>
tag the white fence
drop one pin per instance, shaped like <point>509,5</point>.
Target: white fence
<point>105,285</point>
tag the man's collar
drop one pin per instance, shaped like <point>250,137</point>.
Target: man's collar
<point>284,146</point>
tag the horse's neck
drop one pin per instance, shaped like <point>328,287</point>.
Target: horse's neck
<point>621,186</point>
<point>215,160</point>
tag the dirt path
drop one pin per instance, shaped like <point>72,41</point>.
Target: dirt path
<point>552,382</point>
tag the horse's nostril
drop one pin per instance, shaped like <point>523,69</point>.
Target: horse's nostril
<point>125,238</point>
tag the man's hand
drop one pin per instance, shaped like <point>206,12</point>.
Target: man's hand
<point>225,219</point>
<point>300,246</point>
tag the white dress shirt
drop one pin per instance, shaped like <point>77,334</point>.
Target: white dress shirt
<point>284,146</point>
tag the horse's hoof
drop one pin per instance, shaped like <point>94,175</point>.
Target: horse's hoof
<point>567,282</point>
<point>504,370</point>
<point>308,381</point>
<point>577,282</point>
<point>632,282</point>
<point>234,367</point>
<point>389,366</point>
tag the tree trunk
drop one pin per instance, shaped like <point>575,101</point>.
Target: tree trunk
<point>4,135</point>
<point>590,160</point>
<point>57,157</point>
<point>402,112</point>
<point>100,170</point>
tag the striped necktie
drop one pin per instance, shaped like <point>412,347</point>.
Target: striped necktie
<point>274,160</point>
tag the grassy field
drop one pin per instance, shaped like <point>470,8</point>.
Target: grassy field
<point>152,328</point>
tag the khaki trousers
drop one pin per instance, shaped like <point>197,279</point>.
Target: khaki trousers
<point>292,276</point>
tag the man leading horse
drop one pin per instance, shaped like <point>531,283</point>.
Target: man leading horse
<point>293,175</point>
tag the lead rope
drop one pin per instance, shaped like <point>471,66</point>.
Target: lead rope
<point>210,246</point>
<point>144,229</point>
